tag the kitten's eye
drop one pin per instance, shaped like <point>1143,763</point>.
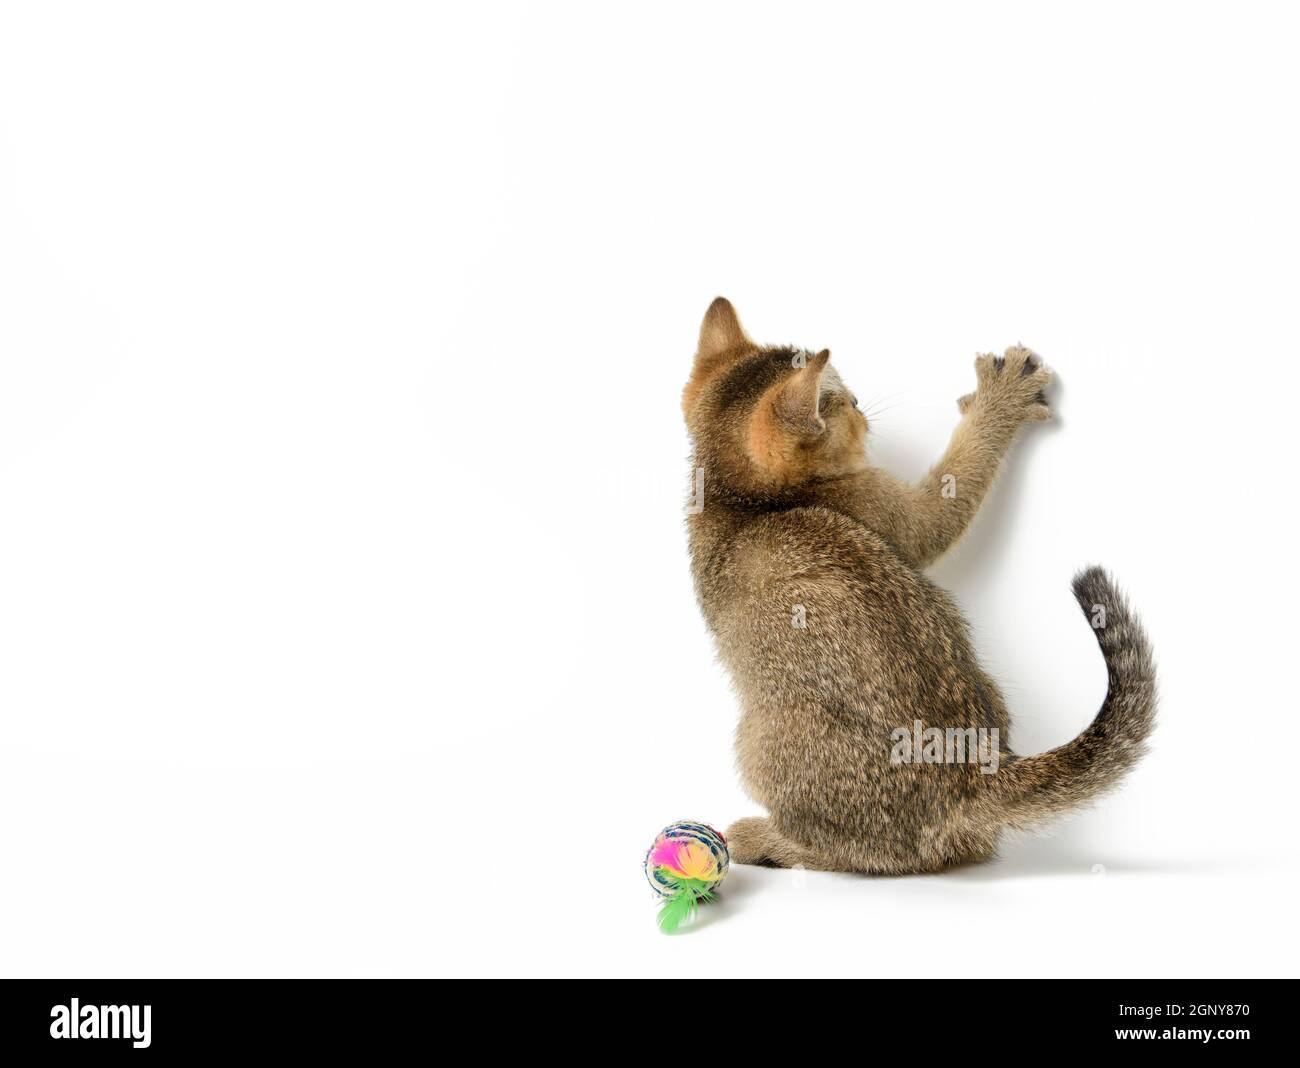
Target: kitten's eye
<point>853,400</point>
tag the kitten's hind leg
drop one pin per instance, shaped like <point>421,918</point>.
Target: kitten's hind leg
<point>754,840</point>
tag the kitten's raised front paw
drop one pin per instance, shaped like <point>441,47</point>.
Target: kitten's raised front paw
<point>1011,384</point>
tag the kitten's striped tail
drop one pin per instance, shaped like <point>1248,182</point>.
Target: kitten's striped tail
<point>1029,789</point>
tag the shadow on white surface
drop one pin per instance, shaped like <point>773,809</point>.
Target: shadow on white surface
<point>975,561</point>
<point>1064,854</point>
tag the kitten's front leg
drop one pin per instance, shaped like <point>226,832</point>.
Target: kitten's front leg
<point>1009,393</point>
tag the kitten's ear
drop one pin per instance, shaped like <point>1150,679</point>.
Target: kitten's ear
<point>721,330</point>
<point>796,402</point>
<point>786,421</point>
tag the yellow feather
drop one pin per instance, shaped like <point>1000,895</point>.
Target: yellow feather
<point>696,862</point>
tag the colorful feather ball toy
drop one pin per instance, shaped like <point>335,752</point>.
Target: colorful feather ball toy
<point>685,866</point>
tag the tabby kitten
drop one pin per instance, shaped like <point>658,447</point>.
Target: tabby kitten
<point>808,567</point>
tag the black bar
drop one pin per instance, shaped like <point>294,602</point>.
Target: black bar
<point>381,1017</point>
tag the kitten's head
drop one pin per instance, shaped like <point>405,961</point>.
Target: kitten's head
<point>768,420</point>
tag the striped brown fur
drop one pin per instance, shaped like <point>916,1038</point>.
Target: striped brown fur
<point>797,527</point>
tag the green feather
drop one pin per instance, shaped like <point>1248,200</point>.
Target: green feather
<point>675,909</point>
<point>681,904</point>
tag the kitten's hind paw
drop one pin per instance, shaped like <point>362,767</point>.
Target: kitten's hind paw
<point>754,840</point>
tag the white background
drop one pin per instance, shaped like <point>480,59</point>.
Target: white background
<point>345,619</point>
